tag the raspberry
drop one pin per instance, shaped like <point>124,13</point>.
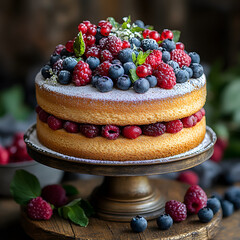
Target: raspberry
<point>114,45</point>
<point>126,44</point>
<point>165,76</point>
<point>198,115</point>
<point>106,56</point>
<point>82,28</point>
<point>189,121</point>
<point>222,143</point>
<point>103,42</point>
<point>149,68</point>
<point>69,46</point>
<point>188,177</point>
<point>38,109</point>
<point>155,129</point>
<point>89,130</point>
<point>154,58</point>
<point>54,194</point>
<point>180,45</point>
<point>4,156</point>
<point>174,126</point>
<point>93,52</point>
<point>142,71</point>
<point>82,74</point>
<point>43,116</point>
<point>166,34</point>
<point>103,68</point>
<point>203,111</point>
<point>217,154</point>
<point>58,66</point>
<point>110,132</point>
<point>131,132</point>
<point>176,210</point>
<point>39,209</point>
<point>71,127</point>
<point>195,199</point>
<point>58,49</point>
<point>182,58</point>
<point>154,35</point>
<point>54,123</point>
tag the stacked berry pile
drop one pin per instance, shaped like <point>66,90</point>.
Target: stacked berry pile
<point>124,56</point>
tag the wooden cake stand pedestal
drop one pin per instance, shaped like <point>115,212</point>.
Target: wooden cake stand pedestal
<point>125,192</point>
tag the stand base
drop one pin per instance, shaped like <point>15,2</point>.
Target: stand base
<point>58,228</point>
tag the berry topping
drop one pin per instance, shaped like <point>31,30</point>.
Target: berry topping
<point>182,58</point>
<point>140,23</point>
<point>58,49</point>
<point>181,76</point>
<point>124,82</point>
<point>93,52</point>
<point>227,208</point>
<point>154,35</point>
<point>164,222</point>
<point>39,209</point>
<point>104,84</point>
<point>82,74</point>
<point>197,70</point>
<point>54,58</point>
<point>135,42</point>
<point>69,46</point>
<point>149,44</point>
<point>152,80</point>
<point>233,195</point>
<point>127,66</point>
<point>54,194</point>
<point>103,68</point>
<point>105,30</point>
<point>54,123</point>
<point>82,28</point>
<point>176,210</point>
<point>71,127</point>
<point>180,45</point>
<point>174,126</point>
<point>115,71</point>
<point>45,71</point>
<point>138,224</point>
<point>125,44</point>
<point>131,132</point>
<point>89,130</point>
<point>142,71</point>
<point>154,58</point>
<point>64,77</point>
<point>165,76</point>
<point>125,55</point>
<point>69,63</point>
<point>168,45</point>
<point>189,70</point>
<point>93,62</point>
<point>195,58</point>
<point>189,121</point>
<point>58,66</point>
<point>155,129</point>
<point>114,45</point>
<point>166,56</point>
<point>110,132</point>
<point>198,115</point>
<point>166,34</point>
<point>146,33</point>
<point>141,85</point>
<point>195,199</point>
<point>205,215</point>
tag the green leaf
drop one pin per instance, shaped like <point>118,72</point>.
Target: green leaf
<point>87,207</point>
<point>150,27</point>
<point>77,215</point>
<point>137,29</point>
<point>113,22</point>
<point>24,187</point>
<point>79,45</point>
<point>176,35</point>
<point>141,58</point>
<point>70,190</point>
<point>134,58</point>
<point>133,75</point>
<point>126,21</point>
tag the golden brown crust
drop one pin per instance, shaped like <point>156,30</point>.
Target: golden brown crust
<point>101,112</point>
<point>122,149</point>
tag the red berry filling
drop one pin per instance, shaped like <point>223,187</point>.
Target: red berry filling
<point>155,129</point>
<point>89,130</point>
<point>110,132</point>
<point>131,132</point>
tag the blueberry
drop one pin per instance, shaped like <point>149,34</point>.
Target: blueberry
<point>93,62</point>
<point>65,53</point>
<point>141,85</point>
<point>125,55</point>
<point>64,77</point>
<point>152,80</point>
<point>233,195</point>
<point>138,224</point>
<point>45,71</point>
<point>197,70</point>
<point>160,48</point>
<point>98,35</point>
<point>94,80</point>
<point>54,58</point>
<point>173,64</point>
<point>116,61</point>
<point>166,56</point>
<point>218,196</point>
<point>205,215</point>
<point>227,208</point>
<point>181,76</point>
<point>189,70</point>
<point>140,23</point>
<point>164,222</point>
<point>214,204</point>
<point>168,45</point>
<point>127,66</point>
<point>115,71</point>
<point>124,82</point>
<point>104,84</point>
<point>195,57</point>
<point>135,41</point>
<point>69,63</point>
<point>149,44</point>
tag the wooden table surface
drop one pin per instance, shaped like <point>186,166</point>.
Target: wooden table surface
<point>11,229</point>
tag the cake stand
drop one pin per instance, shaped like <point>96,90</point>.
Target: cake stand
<point>126,190</point>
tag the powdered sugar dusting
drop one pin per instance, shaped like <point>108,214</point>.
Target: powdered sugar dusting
<point>89,92</point>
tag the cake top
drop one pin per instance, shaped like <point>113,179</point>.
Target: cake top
<point>123,59</point>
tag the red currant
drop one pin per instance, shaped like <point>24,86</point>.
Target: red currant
<point>87,23</point>
<point>146,33</point>
<point>180,45</point>
<point>125,44</point>
<point>82,28</point>
<point>90,40</point>
<point>69,45</point>
<point>142,71</point>
<point>105,30</point>
<point>102,22</point>
<point>154,35</point>
<point>166,34</point>
<point>131,132</point>
<point>92,31</point>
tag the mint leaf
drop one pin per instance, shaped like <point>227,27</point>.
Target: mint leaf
<point>126,21</point>
<point>141,58</point>
<point>137,29</point>
<point>70,190</point>
<point>176,35</point>
<point>134,58</point>
<point>113,22</point>
<point>79,45</point>
<point>149,27</point>
<point>133,75</point>
<point>87,207</point>
<point>77,215</point>
<point>24,187</point>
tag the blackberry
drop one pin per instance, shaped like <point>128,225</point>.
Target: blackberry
<point>124,82</point>
<point>141,85</point>
<point>104,84</point>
